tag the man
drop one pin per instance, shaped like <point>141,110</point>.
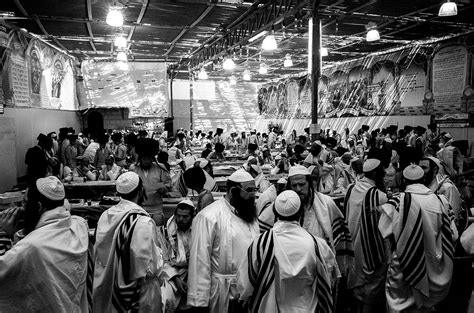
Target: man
<point>128,259</point>
<point>176,249</point>
<point>261,182</point>
<point>317,152</point>
<point>362,205</point>
<point>221,234</point>
<point>155,177</point>
<point>345,173</point>
<point>36,158</point>
<point>440,184</point>
<point>46,270</point>
<point>421,266</point>
<point>71,153</point>
<point>266,218</point>
<point>284,269</point>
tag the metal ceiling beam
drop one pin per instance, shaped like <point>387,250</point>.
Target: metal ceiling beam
<point>262,16</point>
<point>193,24</point>
<point>88,24</point>
<point>139,20</point>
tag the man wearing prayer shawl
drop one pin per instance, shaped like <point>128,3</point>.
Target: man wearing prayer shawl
<point>128,260</point>
<point>421,265</point>
<point>221,235</point>
<point>284,270</point>
<point>46,270</point>
<point>176,249</point>
<point>366,279</point>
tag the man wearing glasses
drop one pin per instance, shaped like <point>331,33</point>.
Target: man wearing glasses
<point>221,235</point>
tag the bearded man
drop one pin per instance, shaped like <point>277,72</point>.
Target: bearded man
<point>221,234</point>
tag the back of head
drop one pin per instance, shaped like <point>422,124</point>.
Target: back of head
<point>194,178</point>
<point>287,206</point>
<point>51,192</point>
<point>128,185</point>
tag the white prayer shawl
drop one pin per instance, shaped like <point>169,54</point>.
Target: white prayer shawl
<point>262,183</point>
<point>219,241</point>
<point>421,268</point>
<point>176,249</point>
<point>294,287</point>
<point>144,253</point>
<point>361,274</point>
<point>266,198</point>
<point>46,270</point>
<point>442,185</point>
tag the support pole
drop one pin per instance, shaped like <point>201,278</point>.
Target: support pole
<point>191,86</point>
<point>314,66</point>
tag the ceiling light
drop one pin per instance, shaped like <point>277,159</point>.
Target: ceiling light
<point>269,43</point>
<point>233,81</point>
<point>288,62</point>
<point>122,56</point>
<point>258,36</point>
<point>120,42</point>
<point>228,64</point>
<point>373,35</point>
<point>448,9</point>
<point>246,75</point>
<point>114,17</point>
<point>263,69</point>
<point>123,66</point>
<point>324,52</point>
<point>202,73</point>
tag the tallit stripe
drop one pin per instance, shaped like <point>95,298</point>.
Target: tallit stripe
<point>325,303</point>
<point>264,226</point>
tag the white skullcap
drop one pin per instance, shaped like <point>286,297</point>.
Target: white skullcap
<point>413,172</point>
<point>282,181</point>
<point>127,182</point>
<point>436,161</point>
<point>51,187</point>
<point>240,176</point>
<point>187,202</point>
<point>370,165</point>
<point>298,170</point>
<point>287,203</point>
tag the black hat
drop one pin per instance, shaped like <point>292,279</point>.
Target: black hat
<point>408,128</point>
<point>147,147</point>
<point>252,146</point>
<point>365,127</point>
<point>219,130</point>
<point>420,129</point>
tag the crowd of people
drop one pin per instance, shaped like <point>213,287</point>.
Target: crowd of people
<point>356,222</point>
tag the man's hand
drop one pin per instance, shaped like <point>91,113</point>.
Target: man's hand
<point>180,284</point>
<point>8,220</point>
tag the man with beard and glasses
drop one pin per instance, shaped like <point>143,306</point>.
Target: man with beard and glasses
<point>362,209</point>
<point>176,249</point>
<point>46,270</point>
<point>221,235</point>
<point>284,270</point>
<point>128,260</point>
<point>155,177</point>
<point>321,217</point>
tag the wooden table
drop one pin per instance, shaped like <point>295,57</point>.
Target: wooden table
<point>90,189</point>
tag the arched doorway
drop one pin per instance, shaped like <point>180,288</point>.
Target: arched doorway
<point>95,123</point>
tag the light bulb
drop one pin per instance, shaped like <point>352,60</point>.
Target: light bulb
<point>122,56</point>
<point>246,75</point>
<point>233,81</point>
<point>202,73</point>
<point>263,69</point>
<point>120,42</point>
<point>114,17</point>
<point>269,43</point>
<point>288,61</point>
<point>448,9</point>
<point>228,64</point>
<point>373,35</point>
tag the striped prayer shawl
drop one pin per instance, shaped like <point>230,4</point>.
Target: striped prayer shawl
<point>263,275</point>
<point>5,244</point>
<point>371,239</point>
<point>126,293</point>
<point>342,239</point>
<point>90,273</point>
<point>183,190</point>
<point>410,246</point>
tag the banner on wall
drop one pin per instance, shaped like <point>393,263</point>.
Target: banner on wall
<point>34,75</point>
<point>141,86</point>
<point>449,75</point>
